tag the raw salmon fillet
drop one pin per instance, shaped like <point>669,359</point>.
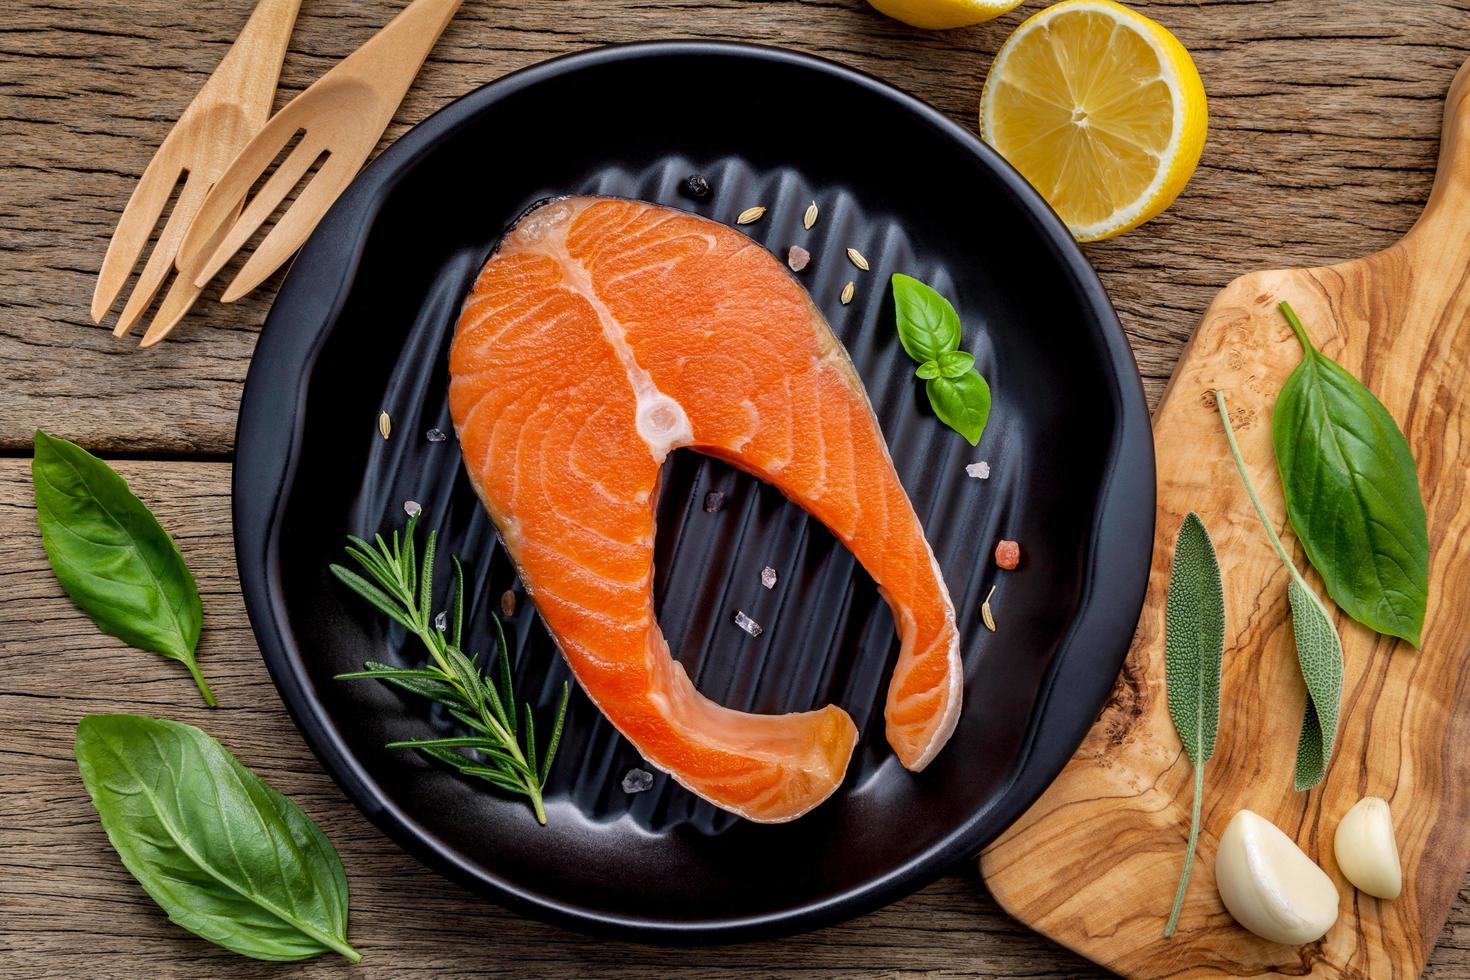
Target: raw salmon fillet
<point>601,335</point>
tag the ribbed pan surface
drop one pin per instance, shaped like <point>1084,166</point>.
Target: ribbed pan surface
<point>897,185</point>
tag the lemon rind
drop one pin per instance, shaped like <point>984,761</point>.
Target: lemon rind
<point>1173,59</point>
<point>953,12</point>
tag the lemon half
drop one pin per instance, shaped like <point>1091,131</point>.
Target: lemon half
<point>940,15</point>
<point>1101,109</point>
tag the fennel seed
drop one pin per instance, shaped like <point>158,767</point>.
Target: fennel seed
<point>985,612</point>
<point>810,218</point>
<point>856,258</point>
<point>385,425</point>
<point>750,215</point>
<point>847,292</point>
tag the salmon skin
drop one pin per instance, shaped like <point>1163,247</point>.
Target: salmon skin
<point>604,333</point>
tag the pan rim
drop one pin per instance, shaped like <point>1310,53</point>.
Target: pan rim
<point>268,441</point>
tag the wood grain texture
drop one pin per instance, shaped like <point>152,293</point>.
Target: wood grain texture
<point>343,114</point>
<point>1324,122</point>
<point>1323,134</point>
<point>231,108</point>
<point>69,909</point>
<point>1399,320</point>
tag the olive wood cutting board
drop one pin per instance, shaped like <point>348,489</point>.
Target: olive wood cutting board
<point>1094,863</point>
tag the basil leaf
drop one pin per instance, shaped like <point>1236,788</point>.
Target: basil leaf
<point>953,363</point>
<point>1194,648</point>
<point>226,856</point>
<point>962,403</point>
<point>929,370</point>
<point>1352,493</point>
<point>112,556</point>
<point>1319,653</point>
<point>927,324</point>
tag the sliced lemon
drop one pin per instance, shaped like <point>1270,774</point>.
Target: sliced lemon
<point>1101,109</point>
<point>939,15</point>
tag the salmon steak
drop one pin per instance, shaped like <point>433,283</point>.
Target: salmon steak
<point>604,333</point>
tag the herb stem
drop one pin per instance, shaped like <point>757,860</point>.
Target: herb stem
<point>399,582</point>
<point>1250,487</point>
<point>201,682</point>
<point>327,939</point>
<point>1199,792</point>
<point>432,640</point>
<point>1297,328</point>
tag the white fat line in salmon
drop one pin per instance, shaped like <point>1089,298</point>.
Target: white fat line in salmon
<point>661,421</point>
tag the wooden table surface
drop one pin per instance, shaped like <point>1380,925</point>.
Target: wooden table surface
<point>1324,128</point>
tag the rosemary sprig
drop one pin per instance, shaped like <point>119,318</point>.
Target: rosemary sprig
<point>502,747</point>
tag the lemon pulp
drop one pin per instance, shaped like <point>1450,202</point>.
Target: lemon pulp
<point>1101,109</point>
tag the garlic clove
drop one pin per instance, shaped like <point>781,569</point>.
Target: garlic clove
<point>1269,885</point>
<point>1366,851</point>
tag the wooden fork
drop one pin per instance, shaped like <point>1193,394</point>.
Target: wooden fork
<point>231,108</point>
<point>340,118</point>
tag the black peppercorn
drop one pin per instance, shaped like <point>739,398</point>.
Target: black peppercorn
<point>696,186</point>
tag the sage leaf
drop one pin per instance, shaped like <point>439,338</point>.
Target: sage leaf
<point>927,324</point>
<point>1352,493</point>
<point>962,403</point>
<point>224,854</point>
<point>1194,647</point>
<point>1318,647</point>
<point>112,556</point>
<point>1319,652</point>
<point>953,363</point>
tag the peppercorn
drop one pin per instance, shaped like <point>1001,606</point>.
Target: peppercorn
<point>696,186</point>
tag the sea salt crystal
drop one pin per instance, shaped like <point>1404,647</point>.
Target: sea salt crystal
<point>713,501</point>
<point>797,258</point>
<point>435,435</point>
<point>749,625</point>
<point>768,577</point>
<point>412,508</point>
<point>441,622</point>
<point>637,781</point>
<point>980,470</point>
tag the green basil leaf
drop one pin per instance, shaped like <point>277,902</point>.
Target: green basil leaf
<point>1194,648</point>
<point>962,403</point>
<point>112,556</point>
<point>227,857</point>
<point>953,363</point>
<point>929,370</point>
<point>927,323</point>
<point>1319,652</point>
<point>1352,493</point>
